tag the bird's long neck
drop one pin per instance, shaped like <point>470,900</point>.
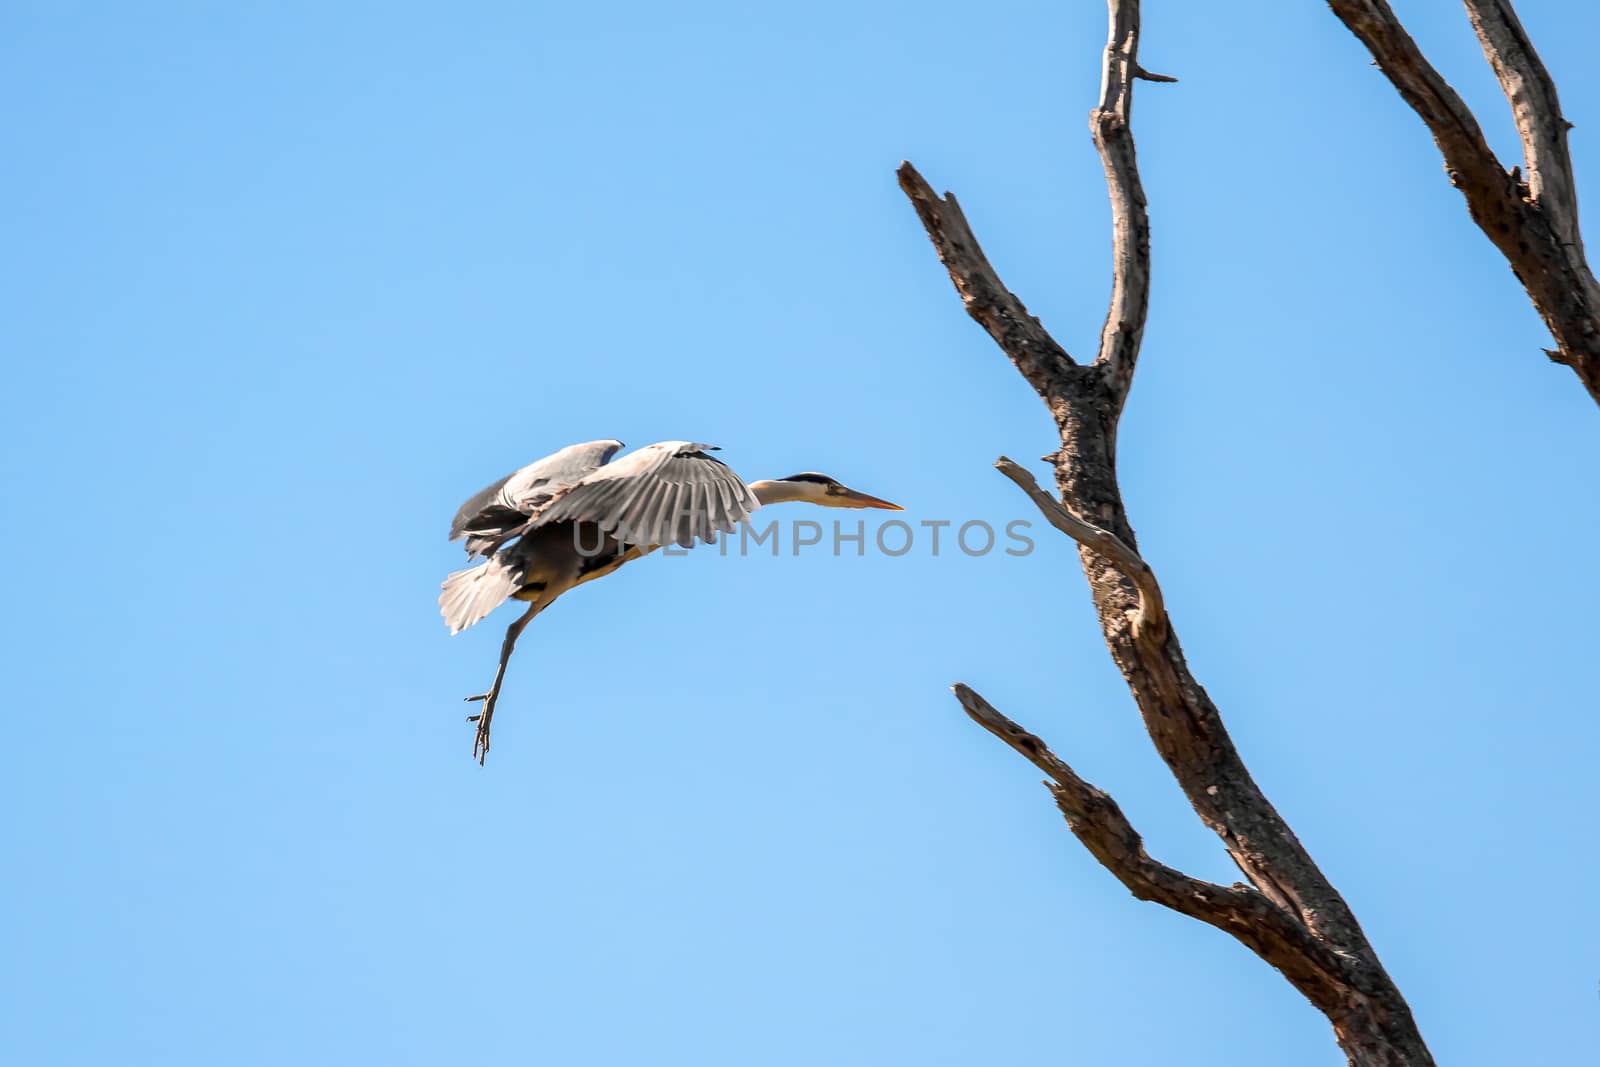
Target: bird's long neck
<point>781,492</point>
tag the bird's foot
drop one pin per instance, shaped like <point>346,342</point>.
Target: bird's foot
<point>480,741</point>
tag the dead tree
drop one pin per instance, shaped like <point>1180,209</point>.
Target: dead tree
<point>1289,914</point>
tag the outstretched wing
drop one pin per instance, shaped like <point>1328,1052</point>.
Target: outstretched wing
<point>673,492</point>
<point>505,505</point>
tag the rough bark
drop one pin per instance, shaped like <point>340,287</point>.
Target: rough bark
<point>1290,915</point>
<point>1532,218</point>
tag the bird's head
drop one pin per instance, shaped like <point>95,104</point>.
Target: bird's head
<point>813,488</point>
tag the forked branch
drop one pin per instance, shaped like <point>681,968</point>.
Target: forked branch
<point>1533,222</point>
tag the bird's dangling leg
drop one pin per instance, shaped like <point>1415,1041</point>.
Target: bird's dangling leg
<point>480,742</point>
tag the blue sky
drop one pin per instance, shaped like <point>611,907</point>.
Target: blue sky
<point>284,283</point>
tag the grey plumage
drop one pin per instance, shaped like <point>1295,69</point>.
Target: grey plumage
<point>471,594</point>
<point>553,523</point>
<point>577,515</point>
<point>673,492</point>
<point>492,513</point>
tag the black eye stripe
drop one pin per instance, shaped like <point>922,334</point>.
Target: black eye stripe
<point>820,479</point>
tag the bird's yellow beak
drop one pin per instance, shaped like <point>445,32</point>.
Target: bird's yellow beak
<point>853,499</point>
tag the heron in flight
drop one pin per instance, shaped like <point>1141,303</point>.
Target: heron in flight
<point>575,516</point>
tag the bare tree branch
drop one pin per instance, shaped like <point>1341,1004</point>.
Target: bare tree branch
<point>1097,821</point>
<point>1152,618</point>
<point>1536,108</point>
<point>1534,225</point>
<point>1110,121</point>
<point>1145,75</point>
<point>1294,918</point>
<point>988,301</point>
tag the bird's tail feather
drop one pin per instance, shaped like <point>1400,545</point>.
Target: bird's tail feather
<point>469,595</point>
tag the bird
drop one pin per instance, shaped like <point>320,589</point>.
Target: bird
<point>577,515</point>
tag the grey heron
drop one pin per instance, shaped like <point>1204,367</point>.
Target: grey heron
<point>575,516</point>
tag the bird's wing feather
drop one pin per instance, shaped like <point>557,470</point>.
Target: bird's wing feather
<point>673,492</point>
<point>507,503</point>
